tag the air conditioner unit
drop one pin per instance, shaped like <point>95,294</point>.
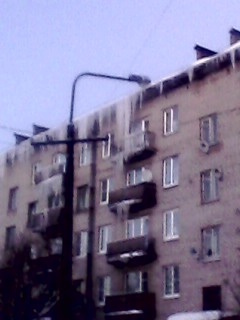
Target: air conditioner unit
<point>204,146</point>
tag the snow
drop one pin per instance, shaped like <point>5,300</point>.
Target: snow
<point>201,315</point>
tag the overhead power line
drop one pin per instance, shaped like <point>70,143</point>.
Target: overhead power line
<point>155,26</point>
<point>3,127</point>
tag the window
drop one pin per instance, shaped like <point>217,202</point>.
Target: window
<point>60,159</point>
<point>105,186</point>
<point>55,200</point>
<point>209,185</point>
<point>85,154</point>
<point>80,286</point>
<point>56,246</point>
<point>137,227</point>
<point>170,120</point>
<point>36,173</point>
<point>32,210</point>
<point>106,147</point>
<point>13,199</point>
<point>104,238</point>
<point>10,237</point>
<point>82,198</point>
<point>171,281</point>
<point>135,176</point>
<point>170,172</point>
<point>136,282</point>
<point>210,243</point>
<point>104,285</point>
<point>82,244</point>
<point>139,126</point>
<point>171,225</point>
<point>208,129</point>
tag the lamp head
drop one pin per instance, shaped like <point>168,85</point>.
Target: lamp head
<point>141,80</point>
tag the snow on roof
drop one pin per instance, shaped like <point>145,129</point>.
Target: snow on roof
<point>201,315</point>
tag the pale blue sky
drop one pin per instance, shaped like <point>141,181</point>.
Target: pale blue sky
<point>45,43</point>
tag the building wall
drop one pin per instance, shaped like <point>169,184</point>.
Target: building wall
<point>217,93</point>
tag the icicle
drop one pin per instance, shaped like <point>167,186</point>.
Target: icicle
<point>232,56</point>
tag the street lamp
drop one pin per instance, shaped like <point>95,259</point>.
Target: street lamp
<point>67,218</point>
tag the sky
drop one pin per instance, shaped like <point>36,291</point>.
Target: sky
<point>44,44</point>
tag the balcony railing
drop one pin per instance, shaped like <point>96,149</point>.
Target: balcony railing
<point>139,146</point>
<point>131,252</point>
<point>38,221</point>
<point>48,172</point>
<point>138,305</point>
<point>133,198</point>
<point>47,221</point>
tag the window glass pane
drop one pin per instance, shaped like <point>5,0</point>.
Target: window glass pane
<point>138,178</point>
<point>167,171</point>
<point>175,170</point>
<point>145,223</point>
<point>175,119</point>
<point>168,224</point>
<point>133,282</point>
<point>175,223</point>
<point>176,279</point>
<point>168,281</point>
<point>137,227</point>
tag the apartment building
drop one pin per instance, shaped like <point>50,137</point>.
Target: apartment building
<point>167,193</point>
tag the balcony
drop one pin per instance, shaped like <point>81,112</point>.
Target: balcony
<point>37,222</point>
<point>139,146</point>
<point>48,172</point>
<point>131,252</point>
<point>53,222</point>
<point>135,198</point>
<point>45,265</point>
<point>132,306</point>
<point>47,221</point>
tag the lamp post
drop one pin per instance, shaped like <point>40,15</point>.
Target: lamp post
<point>67,217</point>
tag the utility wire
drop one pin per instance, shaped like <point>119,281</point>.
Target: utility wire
<point>145,41</point>
<point>3,127</point>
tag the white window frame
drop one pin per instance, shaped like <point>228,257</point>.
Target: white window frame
<point>10,237</point>
<point>104,289</point>
<point>211,243</point>
<point>56,246</point>
<point>83,193</point>
<point>55,201</point>
<point>135,176</point>
<point>209,182</point>
<point>13,199</point>
<point>104,237</point>
<point>139,126</point>
<point>36,168</point>
<point>139,278</point>
<point>171,227</point>
<point>172,274</point>
<point>85,154</point>
<point>208,129</point>
<point>82,238</point>
<point>171,164</point>
<point>171,126</point>
<point>131,227</point>
<point>106,147</point>
<point>104,190</point>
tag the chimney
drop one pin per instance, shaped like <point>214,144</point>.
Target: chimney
<point>38,129</point>
<point>20,138</point>
<point>202,52</point>
<point>234,36</point>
